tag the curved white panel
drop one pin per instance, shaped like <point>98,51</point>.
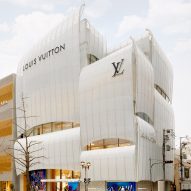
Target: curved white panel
<point>164,116</point>
<point>106,102</point>
<point>146,150</point>
<point>144,44</point>
<point>163,73</point>
<point>96,44</point>
<point>163,69</point>
<point>116,164</point>
<point>60,150</point>
<point>144,84</point>
<point>49,76</point>
<point>164,119</point>
<point>91,42</point>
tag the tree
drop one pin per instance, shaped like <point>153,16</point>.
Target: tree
<point>24,152</point>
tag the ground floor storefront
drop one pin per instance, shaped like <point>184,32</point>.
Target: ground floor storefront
<point>67,180</point>
<point>6,186</point>
<point>50,180</point>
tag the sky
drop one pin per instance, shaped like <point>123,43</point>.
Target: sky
<point>24,22</point>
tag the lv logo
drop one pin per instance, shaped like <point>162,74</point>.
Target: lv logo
<point>117,67</point>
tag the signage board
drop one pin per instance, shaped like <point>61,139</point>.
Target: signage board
<point>121,186</point>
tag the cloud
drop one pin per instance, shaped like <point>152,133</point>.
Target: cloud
<point>43,5</point>
<point>171,21</point>
<point>4,27</point>
<point>97,8</point>
<point>171,17</point>
<point>130,23</point>
<point>25,31</point>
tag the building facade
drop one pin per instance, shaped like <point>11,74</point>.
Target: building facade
<point>7,131</point>
<point>109,109</point>
<point>183,181</point>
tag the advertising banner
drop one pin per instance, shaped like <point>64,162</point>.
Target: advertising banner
<point>35,177</point>
<point>121,186</point>
<point>73,186</point>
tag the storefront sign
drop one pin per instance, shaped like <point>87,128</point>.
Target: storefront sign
<point>44,56</point>
<point>117,68</point>
<point>121,186</point>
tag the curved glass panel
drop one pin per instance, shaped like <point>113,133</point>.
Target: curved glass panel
<point>107,143</point>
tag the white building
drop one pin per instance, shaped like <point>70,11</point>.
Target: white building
<point>111,113</point>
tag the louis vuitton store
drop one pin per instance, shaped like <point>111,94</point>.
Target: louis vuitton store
<point>106,108</point>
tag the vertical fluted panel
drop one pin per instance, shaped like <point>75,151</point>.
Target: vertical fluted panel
<point>58,150</point>
<point>106,102</point>
<point>163,74</point>
<point>164,119</point>
<point>147,149</point>
<point>163,69</point>
<point>144,84</point>
<point>51,82</point>
<point>111,164</point>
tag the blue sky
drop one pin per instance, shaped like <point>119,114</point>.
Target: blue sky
<point>24,22</point>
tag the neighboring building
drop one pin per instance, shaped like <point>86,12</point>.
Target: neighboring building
<point>7,130</point>
<point>186,167</point>
<point>177,173</point>
<point>112,113</point>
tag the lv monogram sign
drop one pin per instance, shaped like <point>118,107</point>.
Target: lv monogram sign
<point>117,66</point>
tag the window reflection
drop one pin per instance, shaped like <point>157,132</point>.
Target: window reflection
<point>108,143</point>
<point>52,127</point>
<point>161,92</point>
<point>145,117</point>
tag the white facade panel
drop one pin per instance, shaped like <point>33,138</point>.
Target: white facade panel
<point>147,149</point>
<point>60,150</point>
<point>96,43</point>
<point>164,116</point>
<point>162,68</point>
<point>49,76</point>
<point>91,43</point>
<point>106,102</point>
<point>144,84</point>
<point>111,164</point>
<point>164,119</point>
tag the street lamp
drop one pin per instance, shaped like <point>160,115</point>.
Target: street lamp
<point>86,166</point>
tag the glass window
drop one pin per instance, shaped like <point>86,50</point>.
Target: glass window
<point>144,116</point>
<point>107,143</point>
<point>47,128</point>
<point>186,172</point>
<point>92,59</point>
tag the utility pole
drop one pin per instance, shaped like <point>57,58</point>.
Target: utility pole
<point>163,156</point>
<point>181,169</point>
<point>166,138</point>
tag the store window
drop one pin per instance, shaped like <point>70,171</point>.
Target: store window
<point>52,127</point>
<point>186,172</point>
<point>145,117</point>
<point>108,143</point>
<point>161,92</point>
